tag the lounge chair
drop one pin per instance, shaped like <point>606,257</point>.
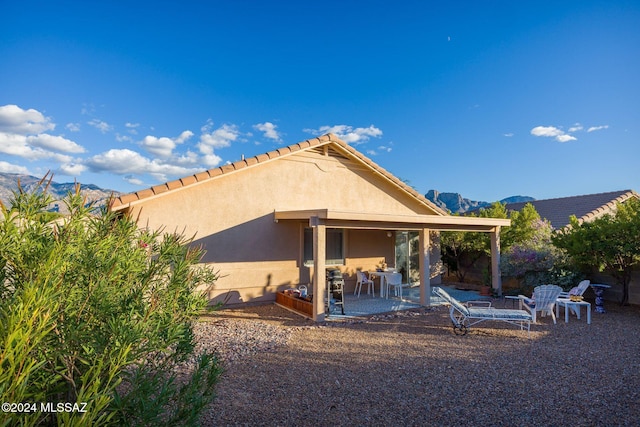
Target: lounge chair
<point>543,301</point>
<point>465,316</point>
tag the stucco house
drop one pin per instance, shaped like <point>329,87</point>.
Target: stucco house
<point>277,220</point>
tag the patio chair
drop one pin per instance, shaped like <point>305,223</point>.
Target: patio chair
<point>361,279</point>
<point>396,282</point>
<point>578,290</point>
<point>464,317</point>
<point>543,301</point>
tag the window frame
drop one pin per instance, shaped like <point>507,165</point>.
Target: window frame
<point>332,233</point>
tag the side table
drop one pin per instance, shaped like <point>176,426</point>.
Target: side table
<point>574,305</point>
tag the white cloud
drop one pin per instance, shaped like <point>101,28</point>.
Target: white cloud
<point>269,130</point>
<point>163,147</point>
<point>347,133</point>
<point>508,135</point>
<point>565,138</point>
<point>72,169</point>
<point>552,132</point>
<point>132,128</point>
<point>18,145</point>
<point>594,128</point>
<point>211,160</point>
<point>131,179</point>
<point>10,168</point>
<point>14,119</point>
<point>185,135</point>
<point>102,126</point>
<point>546,131</point>
<point>219,138</point>
<point>381,149</point>
<point>128,162</point>
<point>73,127</point>
<point>560,135</point>
<point>54,143</point>
<point>123,138</point>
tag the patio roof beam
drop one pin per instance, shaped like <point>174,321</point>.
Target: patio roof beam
<point>364,220</point>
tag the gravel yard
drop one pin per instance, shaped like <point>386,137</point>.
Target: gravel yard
<point>408,368</point>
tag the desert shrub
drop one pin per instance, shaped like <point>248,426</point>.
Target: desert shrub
<point>536,261</point>
<point>95,310</point>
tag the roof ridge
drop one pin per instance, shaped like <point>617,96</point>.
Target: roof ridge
<point>577,195</point>
<point>626,195</point>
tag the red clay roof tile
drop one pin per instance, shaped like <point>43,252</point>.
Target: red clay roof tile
<point>159,189</point>
<point>202,176</point>
<point>142,194</point>
<point>227,168</point>
<point>128,198</point>
<point>174,184</point>
<point>187,180</point>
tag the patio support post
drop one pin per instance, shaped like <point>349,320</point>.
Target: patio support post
<point>425,268</point>
<point>319,261</point>
<point>496,279</point>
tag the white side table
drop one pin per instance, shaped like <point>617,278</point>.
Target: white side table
<point>575,305</point>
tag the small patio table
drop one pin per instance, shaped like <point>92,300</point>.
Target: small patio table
<point>567,304</point>
<point>383,278</point>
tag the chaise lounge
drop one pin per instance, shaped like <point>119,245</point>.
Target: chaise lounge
<point>465,316</point>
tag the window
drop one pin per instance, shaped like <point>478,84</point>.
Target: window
<point>335,246</point>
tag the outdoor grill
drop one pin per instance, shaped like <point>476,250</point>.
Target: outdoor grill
<point>335,291</point>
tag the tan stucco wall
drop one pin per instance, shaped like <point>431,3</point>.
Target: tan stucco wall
<point>232,216</point>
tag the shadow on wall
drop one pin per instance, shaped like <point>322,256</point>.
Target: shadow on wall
<point>260,239</point>
<point>234,297</point>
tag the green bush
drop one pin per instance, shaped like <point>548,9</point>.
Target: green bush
<point>95,310</point>
<point>536,261</point>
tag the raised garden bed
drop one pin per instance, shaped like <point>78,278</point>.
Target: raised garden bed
<point>295,304</point>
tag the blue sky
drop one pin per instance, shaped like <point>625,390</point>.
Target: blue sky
<point>486,98</point>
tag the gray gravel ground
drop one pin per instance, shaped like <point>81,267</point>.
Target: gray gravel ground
<point>408,369</point>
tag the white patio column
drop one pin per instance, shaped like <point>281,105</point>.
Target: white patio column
<point>425,268</point>
<point>496,277</point>
<point>319,261</point>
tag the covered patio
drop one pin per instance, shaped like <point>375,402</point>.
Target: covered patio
<point>322,219</point>
<point>367,305</point>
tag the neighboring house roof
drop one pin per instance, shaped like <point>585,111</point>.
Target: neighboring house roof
<point>585,208</point>
<point>124,201</point>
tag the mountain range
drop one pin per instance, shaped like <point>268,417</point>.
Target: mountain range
<point>455,203</point>
<point>9,183</point>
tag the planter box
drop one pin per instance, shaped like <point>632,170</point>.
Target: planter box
<point>297,305</point>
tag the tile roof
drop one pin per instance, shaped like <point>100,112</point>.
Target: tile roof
<point>124,201</point>
<point>584,207</point>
